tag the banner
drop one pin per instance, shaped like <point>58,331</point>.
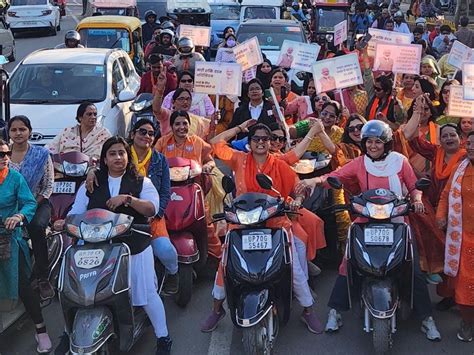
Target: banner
<point>458,107</point>
<point>218,78</point>
<point>340,33</point>
<point>248,53</point>
<point>298,56</point>
<point>386,37</point>
<point>337,73</point>
<point>459,54</point>
<point>397,58</point>
<point>468,81</point>
<point>200,35</point>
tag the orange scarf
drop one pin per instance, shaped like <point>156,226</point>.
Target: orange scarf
<point>442,172</point>
<point>375,105</point>
<point>3,174</point>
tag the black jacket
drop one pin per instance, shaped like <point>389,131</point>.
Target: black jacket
<point>242,114</point>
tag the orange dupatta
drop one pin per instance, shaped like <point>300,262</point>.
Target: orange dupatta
<point>442,172</point>
<point>3,174</point>
<point>375,105</point>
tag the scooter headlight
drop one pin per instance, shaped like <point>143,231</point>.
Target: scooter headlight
<point>379,211</point>
<point>72,169</point>
<point>95,233</point>
<point>249,217</point>
<point>400,210</point>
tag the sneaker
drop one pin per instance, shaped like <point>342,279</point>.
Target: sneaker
<point>44,343</point>
<point>211,322</point>
<point>45,289</point>
<point>63,346</point>
<point>312,322</point>
<point>428,327</point>
<point>171,285</point>
<point>465,332</point>
<point>313,270</point>
<point>433,279</point>
<point>163,345</point>
<point>445,304</point>
<point>334,321</point>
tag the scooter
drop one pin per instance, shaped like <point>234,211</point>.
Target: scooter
<point>142,108</point>
<point>62,6</point>
<point>379,256</point>
<point>94,283</point>
<point>257,266</point>
<point>186,223</point>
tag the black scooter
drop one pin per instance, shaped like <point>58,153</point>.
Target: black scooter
<point>379,254</point>
<point>257,266</point>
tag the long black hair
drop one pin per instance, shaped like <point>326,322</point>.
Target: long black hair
<point>345,136</point>
<point>130,169</point>
<point>442,104</point>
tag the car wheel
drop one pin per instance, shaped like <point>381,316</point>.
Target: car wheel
<point>12,57</point>
<point>53,31</point>
<point>58,27</point>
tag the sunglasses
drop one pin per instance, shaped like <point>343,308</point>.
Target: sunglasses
<point>186,81</point>
<point>5,154</point>
<point>281,139</point>
<point>257,139</point>
<point>324,98</point>
<point>328,114</point>
<point>352,129</point>
<point>144,132</point>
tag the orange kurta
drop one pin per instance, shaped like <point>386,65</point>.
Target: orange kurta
<point>194,148</point>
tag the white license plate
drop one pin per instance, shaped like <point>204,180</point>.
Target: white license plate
<point>378,236</point>
<point>64,187</point>
<point>89,259</point>
<point>29,23</point>
<point>256,241</point>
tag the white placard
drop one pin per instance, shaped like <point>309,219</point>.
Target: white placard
<point>248,53</point>
<point>459,54</point>
<point>337,73</point>
<point>386,37</point>
<point>458,107</point>
<point>249,74</point>
<point>399,58</point>
<point>468,81</point>
<point>340,33</point>
<point>201,35</point>
<point>218,78</point>
<point>298,56</point>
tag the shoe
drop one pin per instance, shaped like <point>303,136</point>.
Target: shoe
<point>44,343</point>
<point>313,270</point>
<point>445,304</point>
<point>312,322</point>
<point>171,285</point>
<point>433,279</point>
<point>334,321</point>
<point>428,327</point>
<point>45,289</point>
<point>465,332</point>
<point>63,346</point>
<point>211,322</point>
<point>163,345</point>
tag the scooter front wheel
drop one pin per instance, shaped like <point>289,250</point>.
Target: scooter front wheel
<point>256,340</point>
<point>382,335</point>
<point>185,286</point>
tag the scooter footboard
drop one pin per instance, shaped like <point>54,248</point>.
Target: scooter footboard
<point>91,329</point>
<point>380,297</point>
<point>252,307</point>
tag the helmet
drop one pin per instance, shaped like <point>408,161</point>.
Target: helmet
<point>167,32</point>
<point>380,130</point>
<point>398,14</point>
<point>420,20</point>
<point>168,25</point>
<point>149,13</point>
<point>185,42</point>
<point>72,35</point>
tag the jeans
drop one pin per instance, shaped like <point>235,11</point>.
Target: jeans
<point>37,233</point>
<point>29,297</point>
<point>166,253</point>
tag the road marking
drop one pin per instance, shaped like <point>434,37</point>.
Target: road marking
<point>221,338</point>
<point>74,17</point>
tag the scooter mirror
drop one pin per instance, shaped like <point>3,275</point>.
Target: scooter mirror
<point>334,183</point>
<point>265,181</point>
<point>422,184</point>
<point>228,184</point>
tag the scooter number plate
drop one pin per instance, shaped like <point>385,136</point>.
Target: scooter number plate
<point>64,187</point>
<point>378,236</point>
<point>89,259</point>
<point>256,242</point>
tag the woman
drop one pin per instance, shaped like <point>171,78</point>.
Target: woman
<point>201,104</point>
<point>429,67</point>
<point>443,107</point>
<point>304,106</point>
<point>379,167</point>
<point>122,190</point>
<point>227,31</point>
<point>86,137</point>
<point>460,237</point>
<point>426,85</point>
<point>279,80</point>
<point>465,127</point>
<point>245,167</point>
<point>406,94</point>
<point>18,205</point>
<point>36,166</point>
<point>264,73</point>
<point>225,53</point>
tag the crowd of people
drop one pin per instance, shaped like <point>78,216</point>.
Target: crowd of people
<point>385,133</point>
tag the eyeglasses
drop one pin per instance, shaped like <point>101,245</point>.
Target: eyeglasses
<point>186,81</point>
<point>184,98</point>
<point>4,154</point>
<point>257,139</point>
<point>328,114</point>
<point>352,129</point>
<point>144,132</point>
<point>376,88</point>
<point>281,139</point>
<point>323,98</point>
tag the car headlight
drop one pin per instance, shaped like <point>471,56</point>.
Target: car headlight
<point>180,173</point>
<point>249,217</point>
<point>379,211</point>
<point>95,233</point>
<point>72,169</point>
<point>46,12</point>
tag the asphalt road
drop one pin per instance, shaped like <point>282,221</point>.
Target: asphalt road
<point>184,323</point>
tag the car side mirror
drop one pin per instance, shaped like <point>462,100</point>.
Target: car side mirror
<point>422,184</point>
<point>334,182</point>
<point>265,181</point>
<point>228,184</point>
<point>126,95</point>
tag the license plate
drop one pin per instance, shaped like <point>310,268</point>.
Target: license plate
<point>89,259</point>
<point>256,241</point>
<point>378,236</point>
<point>64,187</point>
<point>29,23</point>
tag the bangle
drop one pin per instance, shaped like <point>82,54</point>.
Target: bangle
<point>240,129</point>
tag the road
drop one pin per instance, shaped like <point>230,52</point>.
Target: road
<point>184,323</point>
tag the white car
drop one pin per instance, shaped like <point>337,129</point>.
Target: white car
<point>48,86</point>
<point>25,15</point>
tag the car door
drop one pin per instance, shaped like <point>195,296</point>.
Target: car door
<point>115,119</point>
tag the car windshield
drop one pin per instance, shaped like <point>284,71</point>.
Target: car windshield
<point>115,11</point>
<point>264,12</point>
<point>28,2</point>
<point>271,37</point>
<point>225,12</point>
<point>105,38</point>
<point>329,18</point>
<point>58,83</point>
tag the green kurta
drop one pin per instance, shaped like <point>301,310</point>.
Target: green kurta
<point>16,197</point>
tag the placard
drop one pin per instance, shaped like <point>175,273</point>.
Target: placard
<point>298,56</point>
<point>337,73</point>
<point>459,54</point>
<point>340,33</point>
<point>248,53</point>
<point>397,58</point>
<point>218,78</point>
<point>458,107</point>
<point>468,80</point>
<point>201,35</point>
<point>249,74</point>
<point>386,37</point>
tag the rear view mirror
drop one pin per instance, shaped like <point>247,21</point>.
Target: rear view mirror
<point>228,184</point>
<point>126,95</point>
<point>422,184</point>
<point>265,181</point>
<point>334,182</point>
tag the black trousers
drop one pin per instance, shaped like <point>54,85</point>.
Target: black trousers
<point>37,233</point>
<point>28,296</point>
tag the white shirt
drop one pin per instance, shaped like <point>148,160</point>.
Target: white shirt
<point>148,193</point>
<point>255,111</point>
<point>402,28</point>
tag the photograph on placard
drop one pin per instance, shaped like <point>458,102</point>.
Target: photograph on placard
<point>458,106</point>
<point>468,80</point>
<point>459,54</point>
<point>298,56</point>
<point>248,53</point>
<point>397,58</point>
<point>386,37</point>
<point>201,35</point>
<point>218,78</point>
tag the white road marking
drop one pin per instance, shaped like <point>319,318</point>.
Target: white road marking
<point>221,338</point>
<point>74,17</point>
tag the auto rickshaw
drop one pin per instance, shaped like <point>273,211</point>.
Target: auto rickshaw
<point>115,7</point>
<point>122,32</point>
<point>325,15</point>
<point>189,12</point>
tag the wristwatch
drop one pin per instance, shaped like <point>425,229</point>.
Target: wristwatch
<point>128,201</point>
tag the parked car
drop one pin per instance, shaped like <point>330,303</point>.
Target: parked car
<point>25,15</point>
<point>48,85</point>
<point>7,42</point>
<point>224,13</point>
